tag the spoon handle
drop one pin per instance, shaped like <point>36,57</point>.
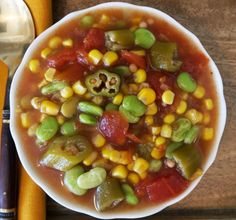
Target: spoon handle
<point>8,176</point>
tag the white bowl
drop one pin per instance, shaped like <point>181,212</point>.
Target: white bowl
<point>32,169</point>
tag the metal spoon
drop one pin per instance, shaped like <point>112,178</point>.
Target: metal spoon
<point>16,33</point>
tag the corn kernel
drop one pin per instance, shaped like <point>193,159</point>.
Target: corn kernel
<point>45,52</point>
<point>147,96</point>
<point>169,118</point>
<point>156,130</point>
<point>194,116</point>
<point>32,130</point>
<point>121,157</point>
<point>130,166</point>
<point>106,153</point>
<point>104,20</point>
<point>132,88</point>
<point>90,159</point>
<point>208,104</point>
<point>34,65</point>
<point>44,82</point>
<point>60,119</point>
<point>109,58</point>
<point>207,134</point>
<point>140,76</point>
<point>199,92</point>
<point>149,120</point>
<point>67,92</point>
<point>42,117</point>
<point>206,118</point>
<point>151,109</point>
<point>67,42</point>
<point>140,165</point>
<point>98,100</point>
<point>118,99</point>
<point>55,42</point>
<point>25,119</point>
<point>49,74</point>
<point>143,175</point>
<point>166,131</point>
<point>95,56</point>
<point>49,107</point>
<point>197,173</point>
<point>78,88</point>
<point>139,52</point>
<point>168,97</point>
<point>160,141</point>
<point>133,178</point>
<point>119,172</point>
<point>36,102</point>
<point>182,107</point>
<point>157,153</point>
<point>98,140</point>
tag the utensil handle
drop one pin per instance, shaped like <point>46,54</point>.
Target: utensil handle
<point>8,175</point>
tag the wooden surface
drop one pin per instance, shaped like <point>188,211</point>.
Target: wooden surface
<point>214,22</point>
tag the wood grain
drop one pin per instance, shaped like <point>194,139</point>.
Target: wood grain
<point>214,23</point>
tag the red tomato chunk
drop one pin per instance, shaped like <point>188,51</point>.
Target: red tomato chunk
<point>133,58</point>
<point>95,39</point>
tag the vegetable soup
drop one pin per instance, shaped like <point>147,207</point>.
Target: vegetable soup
<point>117,110</point>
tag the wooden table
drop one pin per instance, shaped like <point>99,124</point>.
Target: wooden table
<point>214,22</point>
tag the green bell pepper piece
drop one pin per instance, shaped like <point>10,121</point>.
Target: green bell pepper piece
<point>63,152</point>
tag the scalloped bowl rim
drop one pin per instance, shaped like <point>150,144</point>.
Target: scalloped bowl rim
<point>32,170</point>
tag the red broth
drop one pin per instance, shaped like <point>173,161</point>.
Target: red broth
<point>194,62</point>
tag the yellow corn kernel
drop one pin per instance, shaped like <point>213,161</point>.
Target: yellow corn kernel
<point>90,159</point>
<point>44,82</point>
<point>67,92</point>
<point>34,65</point>
<point>106,153</point>
<point>147,96</point>
<point>118,99</point>
<point>98,100</point>
<point>32,130</point>
<point>151,109</point>
<point>156,130</point>
<point>98,140</point>
<point>36,102</point>
<point>143,175</point>
<point>160,141</point>
<point>132,88</point>
<point>42,117</point>
<point>104,20</point>
<point>140,165</point>
<point>130,166</point>
<point>199,92</point>
<point>149,120</point>
<point>49,74</point>
<point>157,153</point>
<point>181,108</point>
<point>60,119</point>
<point>119,171</point>
<point>139,52</point>
<point>168,97</point>
<point>25,119</point>
<point>78,88</point>
<point>197,173</point>
<point>169,118</point>
<point>206,118</point>
<point>121,157</point>
<point>208,104</point>
<point>109,58</point>
<point>45,52</point>
<point>194,116</point>
<point>166,131</point>
<point>49,107</point>
<point>95,56</point>
<point>207,134</point>
<point>67,42</point>
<point>55,42</point>
<point>140,76</point>
<point>133,178</point>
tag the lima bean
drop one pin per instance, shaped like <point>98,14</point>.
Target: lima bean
<point>155,165</point>
<point>87,21</point>
<point>144,38</point>
<point>70,180</point>
<point>53,87</point>
<point>47,129</point>
<point>68,108</point>
<point>69,128</point>
<point>130,196</point>
<point>131,118</point>
<point>90,108</point>
<point>92,178</point>
<point>186,82</point>
<point>111,106</point>
<point>87,119</point>
<point>181,127</point>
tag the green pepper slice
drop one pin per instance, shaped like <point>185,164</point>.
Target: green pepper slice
<point>162,56</point>
<point>63,153</point>
<point>108,194</point>
<point>188,159</point>
<point>103,83</point>
<point>119,39</point>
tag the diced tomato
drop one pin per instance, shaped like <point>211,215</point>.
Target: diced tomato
<point>62,58</point>
<point>95,39</point>
<point>141,188</point>
<point>114,127</point>
<point>133,58</point>
<point>134,138</point>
